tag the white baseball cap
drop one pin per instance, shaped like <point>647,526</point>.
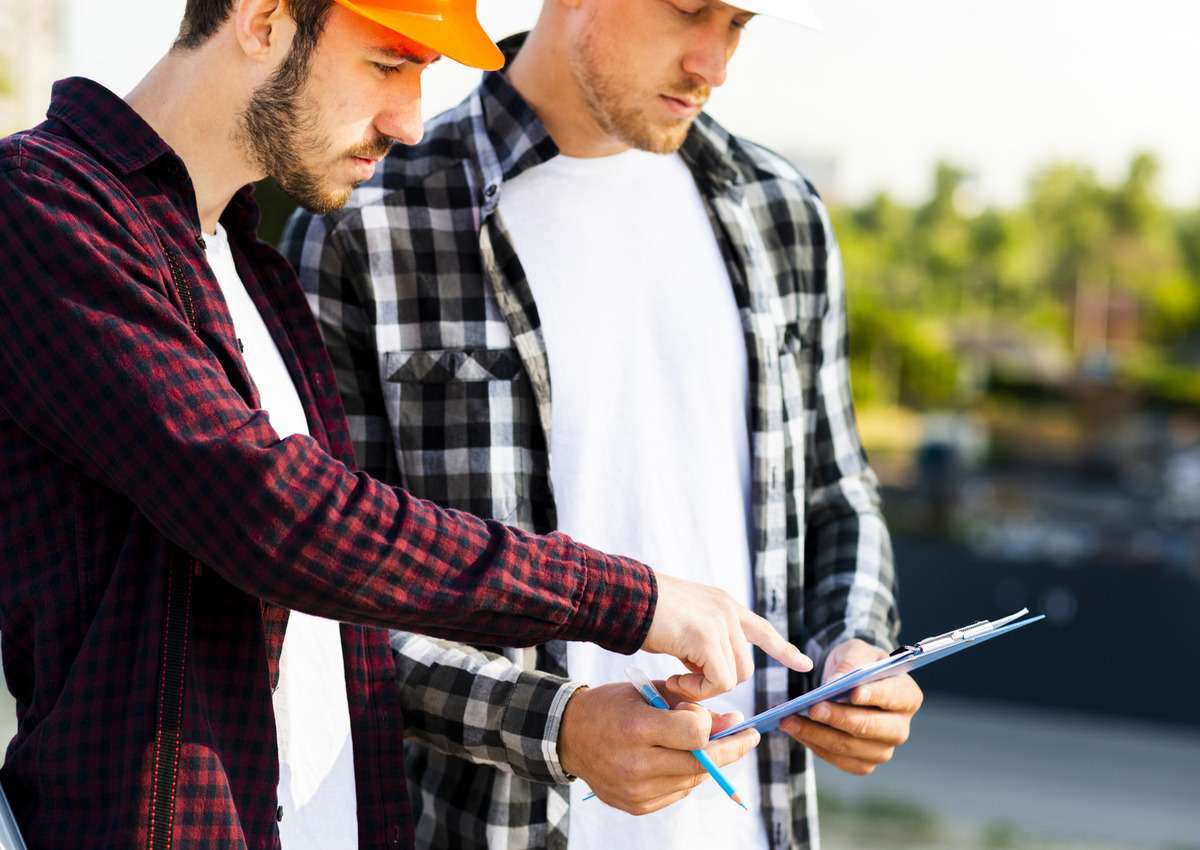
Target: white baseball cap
<point>796,11</point>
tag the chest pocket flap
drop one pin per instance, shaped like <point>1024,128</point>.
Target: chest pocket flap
<point>452,365</point>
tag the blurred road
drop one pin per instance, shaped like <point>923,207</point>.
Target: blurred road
<point>1043,773</point>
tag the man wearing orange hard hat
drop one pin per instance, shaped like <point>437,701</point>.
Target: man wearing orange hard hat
<point>198,583</point>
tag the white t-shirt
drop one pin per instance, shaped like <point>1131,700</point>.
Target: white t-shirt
<point>649,444</point>
<point>312,719</point>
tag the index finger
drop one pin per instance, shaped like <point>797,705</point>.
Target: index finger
<point>763,635</point>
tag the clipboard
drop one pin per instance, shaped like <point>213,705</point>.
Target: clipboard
<point>903,660</point>
<point>10,833</point>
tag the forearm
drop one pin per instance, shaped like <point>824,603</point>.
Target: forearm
<point>850,583</point>
<point>482,707</point>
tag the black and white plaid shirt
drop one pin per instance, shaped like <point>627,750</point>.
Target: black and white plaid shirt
<point>442,364</point>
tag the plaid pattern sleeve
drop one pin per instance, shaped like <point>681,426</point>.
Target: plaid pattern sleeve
<point>100,363</point>
<point>851,587</point>
<point>480,706</point>
<point>465,702</point>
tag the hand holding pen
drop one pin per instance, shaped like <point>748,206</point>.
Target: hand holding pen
<point>638,758</point>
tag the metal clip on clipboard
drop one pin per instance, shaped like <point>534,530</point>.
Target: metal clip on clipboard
<point>903,660</point>
<point>975,630</point>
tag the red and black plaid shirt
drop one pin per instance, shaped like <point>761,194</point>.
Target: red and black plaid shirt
<point>130,441</point>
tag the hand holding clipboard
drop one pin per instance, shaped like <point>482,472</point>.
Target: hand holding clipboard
<point>903,660</point>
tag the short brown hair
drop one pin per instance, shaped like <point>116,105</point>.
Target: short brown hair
<point>202,18</point>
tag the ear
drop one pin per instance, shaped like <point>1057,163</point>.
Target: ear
<point>262,28</point>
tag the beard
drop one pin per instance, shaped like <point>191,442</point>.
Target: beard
<point>281,132</point>
<point>608,101</point>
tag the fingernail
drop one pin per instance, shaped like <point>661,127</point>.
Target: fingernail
<point>820,711</point>
<point>864,695</point>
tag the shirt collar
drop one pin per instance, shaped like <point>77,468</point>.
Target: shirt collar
<point>711,151</point>
<point>508,136</point>
<point>106,124</point>
<point>115,133</point>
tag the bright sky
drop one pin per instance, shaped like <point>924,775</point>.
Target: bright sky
<point>885,90</point>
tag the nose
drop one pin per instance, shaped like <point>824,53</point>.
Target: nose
<point>708,57</point>
<point>400,119</point>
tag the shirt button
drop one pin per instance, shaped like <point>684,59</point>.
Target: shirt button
<point>490,191</point>
<point>200,241</point>
<point>279,814</point>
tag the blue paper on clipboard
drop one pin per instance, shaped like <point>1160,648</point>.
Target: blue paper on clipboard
<point>903,660</point>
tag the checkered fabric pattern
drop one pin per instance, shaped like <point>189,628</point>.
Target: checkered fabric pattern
<point>129,441</point>
<point>439,355</point>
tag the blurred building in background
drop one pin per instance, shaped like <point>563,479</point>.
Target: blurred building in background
<point>31,54</point>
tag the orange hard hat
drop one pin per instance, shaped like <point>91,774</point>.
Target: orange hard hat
<point>448,26</point>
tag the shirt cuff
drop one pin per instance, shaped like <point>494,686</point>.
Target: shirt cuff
<point>617,605</point>
<point>554,717</point>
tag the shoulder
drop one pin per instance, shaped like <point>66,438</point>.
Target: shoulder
<point>784,201</point>
<point>785,204</point>
<point>41,156</point>
<point>755,163</point>
<point>52,184</point>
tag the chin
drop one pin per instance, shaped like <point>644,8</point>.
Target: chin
<point>656,136</point>
<point>324,203</point>
<point>664,140</point>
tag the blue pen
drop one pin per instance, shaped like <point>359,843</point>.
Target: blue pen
<point>651,695</point>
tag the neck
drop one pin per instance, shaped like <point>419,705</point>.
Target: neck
<point>183,101</point>
<point>543,76</point>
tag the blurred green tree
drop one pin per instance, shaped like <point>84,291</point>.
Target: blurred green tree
<point>941,291</point>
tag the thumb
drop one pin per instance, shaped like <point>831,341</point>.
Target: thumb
<point>838,670</point>
<point>686,686</point>
<point>693,687</point>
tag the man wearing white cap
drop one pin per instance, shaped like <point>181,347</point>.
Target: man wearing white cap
<point>579,224</point>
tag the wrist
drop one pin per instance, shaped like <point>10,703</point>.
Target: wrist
<point>568,732</point>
